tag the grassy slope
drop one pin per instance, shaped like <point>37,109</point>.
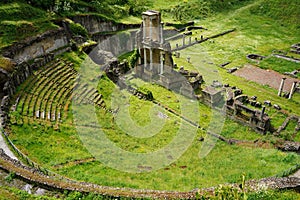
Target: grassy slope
<point>19,20</point>
<point>254,34</point>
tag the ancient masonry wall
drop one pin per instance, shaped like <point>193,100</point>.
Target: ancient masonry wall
<point>49,42</point>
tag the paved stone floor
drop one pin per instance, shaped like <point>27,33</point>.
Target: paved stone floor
<point>265,77</point>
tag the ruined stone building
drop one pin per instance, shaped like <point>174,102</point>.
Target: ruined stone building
<point>155,62</point>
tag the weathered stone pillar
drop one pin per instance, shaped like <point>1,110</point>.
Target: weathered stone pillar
<point>188,59</point>
<point>281,86</point>
<point>190,40</point>
<point>161,63</point>
<point>162,33</point>
<point>183,40</point>
<point>262,113</point>
<point>235,111</point>
<point>145,57</point>
<point>251,118</point>
<point>144,29</point>
<point>292,89</point>
<point>176,46</point>
<point>139,57</point>
<point>151,59</point>
<point>150,35</point>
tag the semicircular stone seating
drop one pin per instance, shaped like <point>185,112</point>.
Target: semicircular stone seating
<point>47,94</point>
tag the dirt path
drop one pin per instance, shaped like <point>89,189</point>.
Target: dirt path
<point>265,77</point>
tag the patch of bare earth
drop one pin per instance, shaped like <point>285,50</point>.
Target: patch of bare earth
<point>265,77</point>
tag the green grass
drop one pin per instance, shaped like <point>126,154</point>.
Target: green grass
<point>19,21</point>
<point>224,164</point>
<point>279,65</point>
<point>16,194</point>
<point>234,129</point>
<point>274,9</point>
<point>57,146</point>
<point>289,132</point>
<point>274,194</point>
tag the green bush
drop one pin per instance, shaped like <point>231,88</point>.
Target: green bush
<point>19,11</point>
<point>132,59</point>
<point>146,92</point>
<point>78,29</point>
<point>10,177</point>
<point>190,10</point>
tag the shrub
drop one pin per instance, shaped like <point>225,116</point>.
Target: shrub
<point>10,177</point>
<point>190,10</point>
<point>6,64</point>
<point>132,59</point>
<point>78,29</point>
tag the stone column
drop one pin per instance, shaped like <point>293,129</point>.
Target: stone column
<point>190,40</point>
<point>151,59</point>
<point>145,58</point>
<point>139,58</point>
<point>162,33</point>
<point>235,111</point>
<point>262,113</point>
<point>292,89</point>
<point>150,35</point>
<point>251,118</point>
<point>161,63</point>
<point>144,29</point>
<point>281,86</point>
<point>183,40</point>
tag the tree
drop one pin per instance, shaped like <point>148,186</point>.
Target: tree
<point>43,4</point>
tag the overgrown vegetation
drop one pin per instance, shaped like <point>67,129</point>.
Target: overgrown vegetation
<point>287,12</point>
<point>279,65</point>
<point>196,9</point>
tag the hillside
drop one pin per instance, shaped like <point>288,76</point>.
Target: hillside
<point>19,19</point>
<point>285,11</point>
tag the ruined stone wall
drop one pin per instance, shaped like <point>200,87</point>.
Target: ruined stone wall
<point>94,24</point>
<point>37,46</point>
<point>117,44</point>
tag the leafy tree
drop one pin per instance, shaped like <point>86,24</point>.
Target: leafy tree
<point>138,6</point>
<point>43,4</point>
<point>188,10</point>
